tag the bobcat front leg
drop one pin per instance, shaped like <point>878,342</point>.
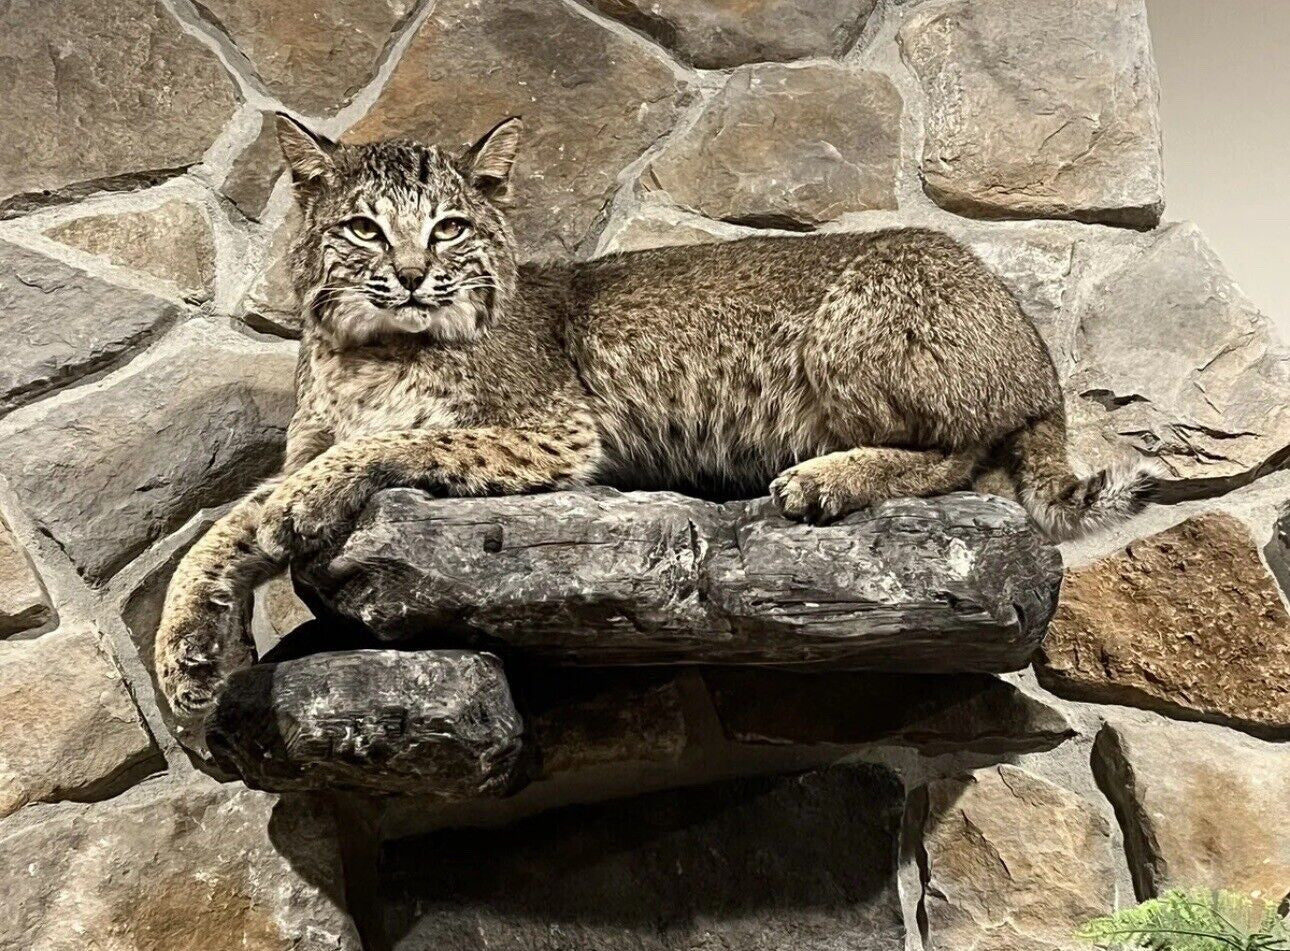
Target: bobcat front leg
<point>317,504</point>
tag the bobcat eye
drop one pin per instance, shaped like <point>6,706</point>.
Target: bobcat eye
<point>450,229</point>
<point>364,228</point>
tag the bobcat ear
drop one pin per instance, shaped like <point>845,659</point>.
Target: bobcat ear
<point>488,162</point>
<point>308,155</point>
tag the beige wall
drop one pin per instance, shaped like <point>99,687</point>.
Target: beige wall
<point>1225,103</point>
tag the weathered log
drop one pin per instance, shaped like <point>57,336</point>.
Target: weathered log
<point>959,583</point>
<point>439,723</point>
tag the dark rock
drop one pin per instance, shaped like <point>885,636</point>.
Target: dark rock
<point>715,34</point>
<point>439,723</point>
<point>592,102</point>
<point>935,714</point>
<point>1188,622</point>
<point>1039,109</point>
<point>172,241</point>
<point>24,605</point>
<point>960,583</point>
<point>107,470</point>
<point>313,55</point>
<point>803,862</point>
<point>1201,807</point>
<point>791,147</point>
<point>112,95</point>
<point>59,324</point>
<point>197,868</point>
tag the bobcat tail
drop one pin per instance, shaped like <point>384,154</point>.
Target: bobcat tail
<point>1064,505</point>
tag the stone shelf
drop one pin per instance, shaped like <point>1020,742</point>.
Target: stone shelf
<point>598,577</point>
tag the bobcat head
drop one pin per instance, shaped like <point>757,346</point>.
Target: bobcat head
<point>401,238</point>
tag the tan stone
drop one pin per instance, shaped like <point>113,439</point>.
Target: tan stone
<point>314,55</point>
<point>592,102</point>
<point>23,602</point>
<point>783,146</point>
<point>102,91</point>
<point>201,868</point>
<point>172,241</point>
<point>1201,807</point>
<point>1039,109</point>
<point>270,304</point>
<point>250,181</point>
<point>71,729</point>
<point>1188,621</point>
<point>655,228</point>
<point>1013,862</point>
<point>714,34</point>
<point>934,713</point>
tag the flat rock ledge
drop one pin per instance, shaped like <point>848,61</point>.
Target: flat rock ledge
<point>598,577</point>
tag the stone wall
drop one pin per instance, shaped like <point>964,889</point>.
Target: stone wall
<point>147,340</point>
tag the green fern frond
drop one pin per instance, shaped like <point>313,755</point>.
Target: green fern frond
<point>1191,921</point>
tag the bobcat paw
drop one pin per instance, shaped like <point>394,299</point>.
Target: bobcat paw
<point>808,493</point>
<point>198,646</point>
<point>304,515</point>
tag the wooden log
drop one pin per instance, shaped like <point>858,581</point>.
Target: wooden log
<point>599,577</point>
<point>437,723</point>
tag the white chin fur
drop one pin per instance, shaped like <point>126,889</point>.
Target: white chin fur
<point>356,321</point>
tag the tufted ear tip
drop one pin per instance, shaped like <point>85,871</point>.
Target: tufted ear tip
<point>488,163</point>
<point>308,155</point>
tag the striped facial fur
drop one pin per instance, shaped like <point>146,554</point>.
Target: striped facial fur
<point>400,238</point>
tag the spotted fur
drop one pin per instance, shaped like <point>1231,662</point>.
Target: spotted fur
<point>841,370</point>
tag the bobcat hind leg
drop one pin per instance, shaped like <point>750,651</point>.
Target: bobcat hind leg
<point>825,488</point>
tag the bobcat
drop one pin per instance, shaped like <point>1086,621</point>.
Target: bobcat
<point>840,370</point>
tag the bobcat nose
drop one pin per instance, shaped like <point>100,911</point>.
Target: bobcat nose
<point>410,277</point>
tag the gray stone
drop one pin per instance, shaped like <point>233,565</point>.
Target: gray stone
<point>592,102</point>
<point>108,470</point>
<point>172,241</point>
<point>60,324</point>
<point>437,723</point>
<point>1201,807</point>
<point>71,729</point>
<point>278,611</point>
<point>1187,621</point>
<point>313,55</point>
<point>202,868</point>
<point>934,714</point>
<point>1277,551</point>
<point>250,181</point>
<point>802,862</point>
<point>961,583</point>
<point>112,95</point>
<point>1009,861</point>
<point>783,146</point>
<point>24,605</point>
<point>271,304</point>
<point>715,34</point>
<point>1175,360</point>
<point>658,227</point>
<point>1039,109</point>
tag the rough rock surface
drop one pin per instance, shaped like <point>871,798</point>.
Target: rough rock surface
<point>109,469</point>
<point>437,723</point>
<point>278,611</point>
<point>601,577</point>
<point>782,146</point>
<point>592,102</point>
<point>787,862</point>
<point>313,56</point>
<point>1175,360</point>
<point>172,241</point>
<point>1200,807</point>
<point>1039,109</point>
<point>251,179</point>
<point>202,868</point>
<point>71,729</point>
<point>1188,621</point>
<point>1010,861</point>
<point>653,226</point>
<point>24,605</point>
<point>715,34</point>
<point>1278,550</point>
<point>270,304</point>
<point>109,91</point>
<point>59,324</point>
<point>935,714</point>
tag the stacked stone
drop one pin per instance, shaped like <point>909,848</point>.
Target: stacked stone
<point>148,328</point>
